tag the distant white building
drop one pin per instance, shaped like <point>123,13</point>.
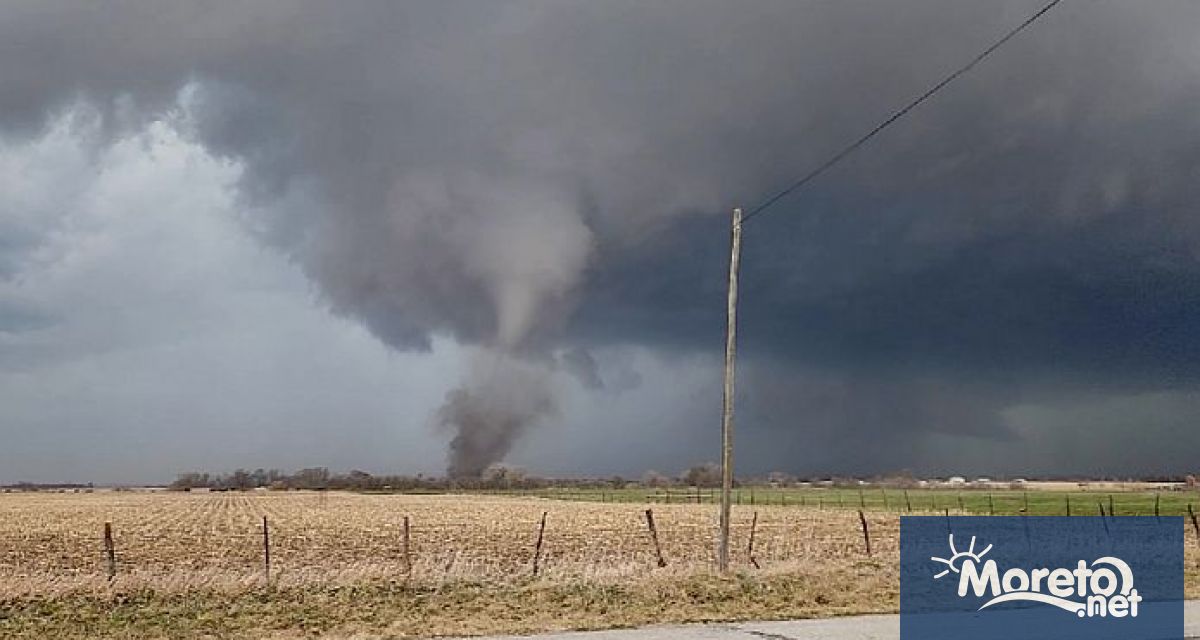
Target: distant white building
<point>956,480</point>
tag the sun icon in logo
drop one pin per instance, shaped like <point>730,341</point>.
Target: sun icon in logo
<point>957,557</point>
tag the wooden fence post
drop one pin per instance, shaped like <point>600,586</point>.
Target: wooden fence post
<point>1111,510</point>
<point>907,502</point>
<point>886,505</point>
<point>1157,496</point>
<point>1025,497</point>
<point>662,562</point>
<point>961,508</point>
<point>1195,525</point>
<point>1068,504</point>
<point>991,505</point>
<point>110,554</point>
<point>862,501</point>
<point>407,548</point>
<point>266,539</point>
<point>537,548</point>
<point>750,545</point>
<point>866,532</point>
<point>1028,540</point>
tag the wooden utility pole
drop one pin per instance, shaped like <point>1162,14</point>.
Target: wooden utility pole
<point>735,255</point>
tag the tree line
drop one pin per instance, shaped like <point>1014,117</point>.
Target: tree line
<point>504,477</point>
<point>495,477</point>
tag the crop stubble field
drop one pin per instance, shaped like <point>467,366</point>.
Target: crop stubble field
<point>191,565</point>
<point>51,543</point>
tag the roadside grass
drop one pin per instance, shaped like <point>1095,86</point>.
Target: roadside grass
<point>397,610</point>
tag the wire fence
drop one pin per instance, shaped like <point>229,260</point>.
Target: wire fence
<point>263,538</point>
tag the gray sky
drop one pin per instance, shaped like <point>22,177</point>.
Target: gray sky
<point>279,234</point>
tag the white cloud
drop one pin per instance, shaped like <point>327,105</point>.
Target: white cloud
<point>143,331</point>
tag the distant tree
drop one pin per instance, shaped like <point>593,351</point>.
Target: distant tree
<point>189,481</point>
<point>653,478</point>
<point>356,479</point>
<point>703,475</point>
<point>780,479</point>
<point>311,478</point>
<point>500,476</point>
<point>259,478</point>
<point>240,479</point>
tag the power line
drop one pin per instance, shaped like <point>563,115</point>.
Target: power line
<point>821,168</point>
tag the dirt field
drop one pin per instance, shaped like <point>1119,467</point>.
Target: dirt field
<point>191,565</point>
<point>52,543</point>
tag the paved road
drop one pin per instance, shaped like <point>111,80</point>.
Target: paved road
<point>880,627</point>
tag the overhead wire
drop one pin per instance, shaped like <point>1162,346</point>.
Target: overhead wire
<point>929,93</point>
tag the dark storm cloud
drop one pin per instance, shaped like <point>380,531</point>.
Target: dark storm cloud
<point>1093,300</point>
<point>537,175</point>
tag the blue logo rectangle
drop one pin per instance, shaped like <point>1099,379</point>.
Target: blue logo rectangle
<point>1030,577</point>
